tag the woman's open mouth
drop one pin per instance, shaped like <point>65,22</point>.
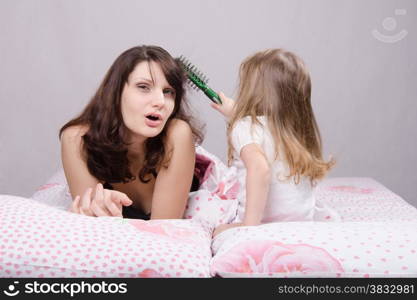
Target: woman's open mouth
<point>153,120</point>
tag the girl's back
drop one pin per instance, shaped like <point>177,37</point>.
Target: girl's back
<point>286,201</point>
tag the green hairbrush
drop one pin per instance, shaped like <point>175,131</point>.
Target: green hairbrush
<point>198,80</point>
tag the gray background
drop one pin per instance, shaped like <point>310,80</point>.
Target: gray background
<point>54,54</point>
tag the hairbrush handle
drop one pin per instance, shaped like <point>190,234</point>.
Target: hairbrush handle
<point>202,86</point>
<point>212,95</point>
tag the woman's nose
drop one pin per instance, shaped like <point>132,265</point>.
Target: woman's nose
<point>158,99</point>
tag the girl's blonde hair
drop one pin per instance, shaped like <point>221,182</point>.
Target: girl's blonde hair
<point>276,84</point>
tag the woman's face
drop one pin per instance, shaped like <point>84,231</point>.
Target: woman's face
<point>147,100</point>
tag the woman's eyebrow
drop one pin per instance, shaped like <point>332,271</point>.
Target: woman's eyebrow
<point>145,79</point>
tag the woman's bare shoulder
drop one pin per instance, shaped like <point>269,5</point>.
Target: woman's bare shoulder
<point>74,133</point>
<point>179,139</point>
<point>179,130</point>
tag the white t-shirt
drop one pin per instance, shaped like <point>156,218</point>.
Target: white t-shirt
<point>286,201</point>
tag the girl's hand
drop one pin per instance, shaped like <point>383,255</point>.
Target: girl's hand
<point>104,203</point>
<point>224,227</point>
<point>226,108</point>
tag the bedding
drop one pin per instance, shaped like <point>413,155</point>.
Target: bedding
<point>376,238</point>
<point>214,203</point>
<point>374,235</point>
<point>42,241</point>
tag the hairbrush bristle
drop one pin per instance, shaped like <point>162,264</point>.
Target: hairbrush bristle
<point>197,80</point>
<point>189,67</point>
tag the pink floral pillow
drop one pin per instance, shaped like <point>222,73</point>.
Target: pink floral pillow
<point>317,249</point>
<point>364,199</point>
<point>376,238</point>
<point>43,241</point>
<point>268,257</point>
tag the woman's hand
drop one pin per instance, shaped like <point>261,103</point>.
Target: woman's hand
<point>104,203</point>
<point>224,227</point>
<point>226,108</point>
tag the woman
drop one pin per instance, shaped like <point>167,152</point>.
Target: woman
<point>131,152</point>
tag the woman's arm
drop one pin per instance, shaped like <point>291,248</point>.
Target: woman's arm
<point>257,183</point>
<point>174,181</point>
<point>78,177</point>
<point>93,200</point>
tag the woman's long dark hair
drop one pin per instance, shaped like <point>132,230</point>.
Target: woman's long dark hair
<point>104,143</point>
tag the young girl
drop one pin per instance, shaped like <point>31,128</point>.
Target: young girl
<point>131,152</point>
<point>274,141</point>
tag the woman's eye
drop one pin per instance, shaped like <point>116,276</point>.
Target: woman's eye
<point>170,92</point>
<point>143,87</point>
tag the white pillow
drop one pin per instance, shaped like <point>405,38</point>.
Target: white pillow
<point>54,192</point>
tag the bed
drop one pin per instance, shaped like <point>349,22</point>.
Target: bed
<point>375,238</point>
